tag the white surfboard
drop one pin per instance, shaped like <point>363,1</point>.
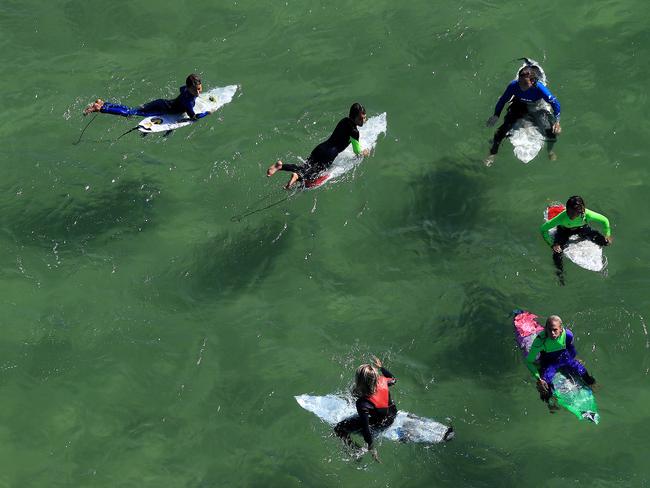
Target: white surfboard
<point>526,137</point>
<point>346,161</point>
<point>211,100</point>
<point>583,252</point>
<point>406,427</point>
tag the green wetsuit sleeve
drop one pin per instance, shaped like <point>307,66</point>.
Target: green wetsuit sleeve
<point>601,219</point>
<point>549,224</point>
<point>356,147</point>
<point>535,349</point>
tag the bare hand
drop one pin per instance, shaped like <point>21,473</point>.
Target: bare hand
<point>376,361</point>
<point>609,240</point>
<point>492,120</point>
<point>375,456</point>
<point>365,153</point>
<point>542,386</point>
<point>556,128</point>
<point>557,248</point>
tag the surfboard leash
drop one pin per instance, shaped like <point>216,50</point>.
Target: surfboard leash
<point>239,217</point>
<point>128,132</point>
<point>84,130</point>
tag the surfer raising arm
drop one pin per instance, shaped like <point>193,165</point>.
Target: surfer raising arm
<point>183,103</point>
<point>375,407</point>
<point>522,91</point>
<point>323,155</point>
<point>556,351</point>
<point>573,221</point>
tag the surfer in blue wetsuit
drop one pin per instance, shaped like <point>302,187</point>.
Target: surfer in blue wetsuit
<point>323,155</point>
<point>556,351</point>
<point>525,90</point>
<point>375,407</point>
<point>183,103</point>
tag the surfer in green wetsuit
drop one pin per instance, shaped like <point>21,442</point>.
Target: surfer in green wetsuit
<point>574,220</point>
<point>556,350</point>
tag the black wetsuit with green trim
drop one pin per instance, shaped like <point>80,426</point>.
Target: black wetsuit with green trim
<point>323,155</point>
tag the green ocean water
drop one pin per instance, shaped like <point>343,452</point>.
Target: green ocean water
<point>149,341</point>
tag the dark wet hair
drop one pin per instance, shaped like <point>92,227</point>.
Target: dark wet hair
<point>576,203</point>
<point>356,109</point>
<point>193,81</point>
<point>529,72</point>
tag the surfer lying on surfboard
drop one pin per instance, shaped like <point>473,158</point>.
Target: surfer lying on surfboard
<point>325,153</point>
<point>183,103</point>
<point>556,351</point>
<point>573,221</point>
<point>526,89</point>
<point>375,407</point>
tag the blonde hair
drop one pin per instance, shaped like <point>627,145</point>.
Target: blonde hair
<point>551,320</point>
<point>365,381</point>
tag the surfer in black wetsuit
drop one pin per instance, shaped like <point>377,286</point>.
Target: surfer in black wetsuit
<point>183,103</point>
<point>323,155</point>
<point>375,407</point>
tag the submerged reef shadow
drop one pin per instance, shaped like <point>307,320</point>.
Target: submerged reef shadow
<point>451,197</point>
<point>446,206</point>
<point>125,207</point>
<point>481,341</point>
<point>227,263</point>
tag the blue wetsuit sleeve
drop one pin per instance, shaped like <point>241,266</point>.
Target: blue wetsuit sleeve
<point>571,349</point>
<point>550,98</point>
<point>187,100</point>
<point>507,95</point>
<point>189,108</point>
<point>188,104</point>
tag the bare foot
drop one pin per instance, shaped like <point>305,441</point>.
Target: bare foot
<point>552,156</point>
<point>489,160</point>
<point>292,181</point>
<point>273,168</point>
<point>96,106</point>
